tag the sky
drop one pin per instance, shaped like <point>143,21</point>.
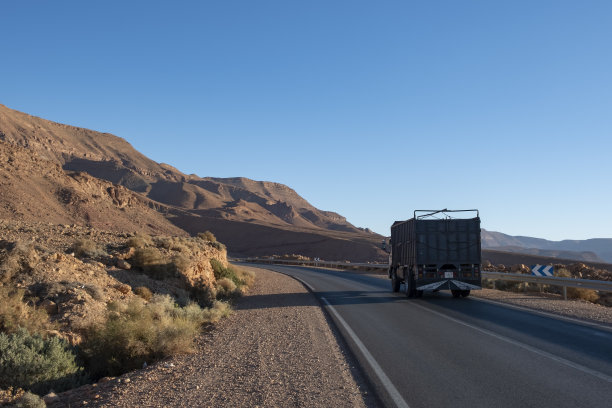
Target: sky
<point>371,109</point>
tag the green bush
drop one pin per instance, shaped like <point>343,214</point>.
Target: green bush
<point>138,332</point>
<point>15,313</point>
<point>33,363</point>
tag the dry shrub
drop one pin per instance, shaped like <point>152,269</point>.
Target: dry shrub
<point>207,236</point>
<point>138,332</point>
<point>86,248</point>
<point>181,263</point>
<point>140,241</point>
<point>152,263</point>
<point>15,258</point>
<point>577,293</point>
<point>173,244</point>
<point>95,292</point>
<point>15,313</point>
<point>241,278</point>
<point>226,288</point>
<point>29,400</point>
<point>246,277</point>
<point>144,292</point>
<point>584,294</point>
<point>216,312</point>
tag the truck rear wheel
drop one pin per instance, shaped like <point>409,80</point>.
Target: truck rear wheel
<point>395,283</point>
<point>410,287</point>
<point>465,293</point>
<point>456,293</point>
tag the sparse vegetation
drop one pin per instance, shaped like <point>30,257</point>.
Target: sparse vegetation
<point>30,362</point>
<point>95,292</point>
<point>239,277</point>
<point>207,236</point>
<point>577,293</point>
<point>153,263</point>
<point>144,292</point>
<point>226,288</point>
<point>86,248</point>
<point>211,240</point>
<point>15,313</point>
<point>138,332</point>
<point>139,241</point>
<point>16,257</point>
<point>28,400</point>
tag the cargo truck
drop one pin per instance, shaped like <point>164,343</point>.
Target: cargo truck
<point>435,251</point>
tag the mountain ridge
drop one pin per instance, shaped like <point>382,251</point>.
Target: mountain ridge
<point>205,202</point>
<point>570,249</point>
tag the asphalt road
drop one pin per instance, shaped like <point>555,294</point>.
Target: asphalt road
<point>439,351</point>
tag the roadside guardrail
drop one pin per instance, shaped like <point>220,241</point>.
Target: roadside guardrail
<point>564,283</point>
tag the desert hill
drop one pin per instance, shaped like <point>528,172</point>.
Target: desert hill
<point>593,250</point>
<point>76,167</point>
<point>35,189</point>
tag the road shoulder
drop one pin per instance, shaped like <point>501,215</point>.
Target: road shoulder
<point>277,349</point>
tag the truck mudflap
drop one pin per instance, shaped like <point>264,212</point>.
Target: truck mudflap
<point>451,284</point>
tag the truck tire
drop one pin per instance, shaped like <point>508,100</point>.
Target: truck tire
<point>395,283</point>
<point>419,293</point>
<point>410,289</point>
<point>456,293</point>
<point>465,293</point>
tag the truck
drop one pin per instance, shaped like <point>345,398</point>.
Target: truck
<point>436,250</point>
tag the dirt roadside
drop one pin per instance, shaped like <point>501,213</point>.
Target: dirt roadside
<point>277,349</point>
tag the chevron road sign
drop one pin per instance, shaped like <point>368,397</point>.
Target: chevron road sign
<point>542,270</point>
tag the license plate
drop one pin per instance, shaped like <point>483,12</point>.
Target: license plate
<point>448,274</point>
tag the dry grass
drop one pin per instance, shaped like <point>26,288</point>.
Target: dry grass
<point>144,292</point>
<point>140,241</point>
<point>207,236</point>
<point>138,332</point>
<point>15,312</point>
<point>577,293</point>
<point>86,248</point>
<point>16,257</point>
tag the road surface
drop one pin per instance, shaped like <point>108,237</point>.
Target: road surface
<point>439,351</point>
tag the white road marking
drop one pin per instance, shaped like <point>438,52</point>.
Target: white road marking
<point>384,380</point>
<point>537,351</point>
<point>543,313</point>
<point>382,377</point>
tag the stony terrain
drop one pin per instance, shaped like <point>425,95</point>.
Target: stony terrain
<point>277,349</point>
<point>75,288</point>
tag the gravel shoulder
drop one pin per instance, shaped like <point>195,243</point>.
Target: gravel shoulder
<point>276,349</point>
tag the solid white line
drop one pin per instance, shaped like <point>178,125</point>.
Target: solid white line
<point>543,313</point>
<point>542,353</point>
<point>385,381</point>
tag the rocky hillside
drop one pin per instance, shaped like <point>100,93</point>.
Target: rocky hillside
<point>97,179</point>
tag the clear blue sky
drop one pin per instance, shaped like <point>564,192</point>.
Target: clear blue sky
<point>367,108</point>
